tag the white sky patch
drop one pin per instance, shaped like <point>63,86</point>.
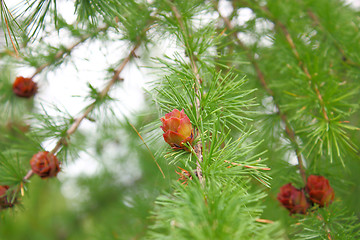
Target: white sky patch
<point>261,26</point>
<point>244,15</point>
<point>354,3</point>
<point>84,165</point>
<point>225,8</point>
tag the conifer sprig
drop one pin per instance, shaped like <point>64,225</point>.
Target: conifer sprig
<point>301,63</point>
<point>326,106</point>
<point>308,72</point>
<point>332,223</point>
<point>216,104</point>
<point>37,11</point>
<point>193,64</point>
<point>10,26</point>
<point>288,128</point>
<point>261,77</point>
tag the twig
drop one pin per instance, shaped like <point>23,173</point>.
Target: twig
<point>260,220</point>
<point>303,66</point>
<point>28,175</point>
<point>198,146</point>
<point>288,128</point>
<point>8,30</point>
<point>103,93</point>
<point>60,54</point>
<point>142,139</point>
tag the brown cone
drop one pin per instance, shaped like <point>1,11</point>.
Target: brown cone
<point>45,164</point>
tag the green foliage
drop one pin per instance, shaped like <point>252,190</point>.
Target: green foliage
<point>281,86</point>
<point>12,170</point>
<point>9,26</point>
<point>35,13</point>
<point>332,222</point>
<point>218,211</point>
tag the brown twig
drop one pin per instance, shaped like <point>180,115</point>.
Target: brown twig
<point>103,93</point>
<point>28,175</point>
<point>288,128</point>
<point>8,30</point>
<point>260,220</point>
<point>303,66</point>
<point>198,146</point>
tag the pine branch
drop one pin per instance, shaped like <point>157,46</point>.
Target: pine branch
<point>63,140</point>
<point>198,146</point>
<point>324,129</point>
<point>8,30</point>
<point>333,222</point>
<point>288,128</point>
<point>304,68</point>
<point>9,20</point>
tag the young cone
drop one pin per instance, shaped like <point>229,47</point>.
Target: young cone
<point>24,87</point>
<point>45,164</point>
<point>178,129</point>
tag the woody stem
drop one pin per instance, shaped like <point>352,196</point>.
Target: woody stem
<point>198,146</point>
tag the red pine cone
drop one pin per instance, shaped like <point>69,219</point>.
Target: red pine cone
<point>45,164</point>
<point>319,190</point>
<point>178,129</point>
<point>24,87</point>
<point>293,199</point>
<point>4,203</point>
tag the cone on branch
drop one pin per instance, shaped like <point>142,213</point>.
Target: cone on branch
<point>45,164</point>
<point>24,87</point>
<point>178,129</point>
<point>319,190</point>
<point>293,199</point>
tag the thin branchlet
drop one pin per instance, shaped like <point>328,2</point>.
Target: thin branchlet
<point>198,146</point>
<point>303,66</point>
<point>261,76</point>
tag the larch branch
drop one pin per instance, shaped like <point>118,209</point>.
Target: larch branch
<point>288,128</point>
<point>302,65</point>
<point>198,146</point>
